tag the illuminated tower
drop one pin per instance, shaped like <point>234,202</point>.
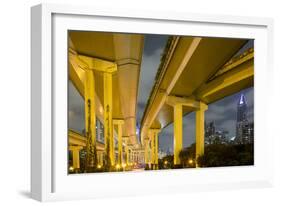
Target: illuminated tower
<point>242,109</point>
<point>242,123</point>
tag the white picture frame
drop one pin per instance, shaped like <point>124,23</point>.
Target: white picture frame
<point>49,178</point>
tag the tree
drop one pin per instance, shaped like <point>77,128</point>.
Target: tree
<point>219,155</point>
<point>166,162</point>
<point>187,156</point>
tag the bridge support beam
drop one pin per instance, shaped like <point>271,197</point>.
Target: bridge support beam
<point>75,157</point>
<point>129,156</point>
<point>177,103</point>
<point>119,123</point>
<point>177,133</point>
<point>108,124</point>
<point>107,68</point>
<point>152,150</point>
<point>126,141</point>
<point>154,147</point>
<point>100,159</point>
<point>146,153</point>
<point>90,120</point>
<point>156,151</point>
<point>200,119</point>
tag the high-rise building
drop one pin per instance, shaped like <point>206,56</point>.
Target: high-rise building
<point>244,129</point>
<point>242,109</point>
<point>209,132</point>
<point>214,136</point>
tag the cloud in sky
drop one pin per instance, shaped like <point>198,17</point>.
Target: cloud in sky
<point>76,115</point>
<point>153,48</point>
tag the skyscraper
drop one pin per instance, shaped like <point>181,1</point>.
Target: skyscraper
<point>242,109</point>
<point>210,131</point>
<point>214,135</point>
<point>244,129</point>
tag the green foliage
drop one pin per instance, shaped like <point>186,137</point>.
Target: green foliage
<point>219,155</point>
<point>215,155</point>
<point>166,162</point>
<point>187,156</point>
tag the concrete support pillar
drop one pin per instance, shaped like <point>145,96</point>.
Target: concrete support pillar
<point>108,124</point>
<point>200,119</point>
<point>119,123</point>
<point>177,133</point>
<point>98,130</point>
<point>177,103</point>
<point>75,156</point>
<point>146,153</point>
<point>100,161</point>
<point>107,68</point>
<point>152,144</point>
<point>154,147</point>
<point>126,141</point>
<point>156,150</point>
<point>90,119</point>
<point>102,158</point>
<point>120,144</point>
<point>134,156</point>
<point>130,156</point>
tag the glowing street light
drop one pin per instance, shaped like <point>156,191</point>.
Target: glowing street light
<point>71,169</point>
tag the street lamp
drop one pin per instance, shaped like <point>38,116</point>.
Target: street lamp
<point>71,169</point>
<point>117,166</point>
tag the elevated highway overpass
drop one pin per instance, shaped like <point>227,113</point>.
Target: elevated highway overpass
<point>104,68</point>
<point>194,72</point>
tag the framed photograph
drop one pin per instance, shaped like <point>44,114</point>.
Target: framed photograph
<point>138,102</point>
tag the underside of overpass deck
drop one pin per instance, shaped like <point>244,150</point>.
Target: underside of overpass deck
<point>105,69</point>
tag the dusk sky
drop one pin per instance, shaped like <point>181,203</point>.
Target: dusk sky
<point>222,112</point>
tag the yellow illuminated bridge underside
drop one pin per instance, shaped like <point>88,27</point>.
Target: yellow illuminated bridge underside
<point>105,69</point>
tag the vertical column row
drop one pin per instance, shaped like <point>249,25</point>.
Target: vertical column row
<point>107,68</point>
<point>90,120</point>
